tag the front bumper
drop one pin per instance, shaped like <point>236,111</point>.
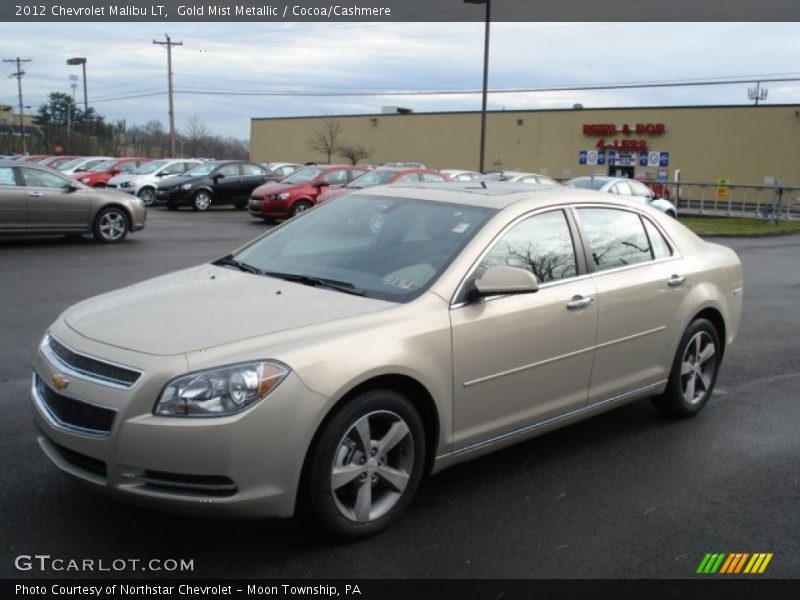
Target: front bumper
<point>244,466</point>
<point>268,208</point>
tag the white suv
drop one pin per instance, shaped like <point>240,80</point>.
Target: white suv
<point>144,180</point>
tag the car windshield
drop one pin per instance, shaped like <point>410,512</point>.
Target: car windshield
<point>380,247</point>
<point>586,183</point>
<point>102,166</point>
<point>377,177</point>
<point>201,170</point>
<point>150,167</point>
<point>303,175</point>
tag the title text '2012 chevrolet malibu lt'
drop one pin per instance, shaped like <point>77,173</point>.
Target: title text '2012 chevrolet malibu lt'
<point>335,360</point>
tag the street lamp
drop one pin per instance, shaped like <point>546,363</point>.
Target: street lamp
<point>81,61</point>
<point>488,4</point>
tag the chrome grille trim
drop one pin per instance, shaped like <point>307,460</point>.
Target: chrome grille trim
<point>50,354</point>
<point>53,419</point>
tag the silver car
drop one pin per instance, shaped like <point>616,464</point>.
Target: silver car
<point>340,357</point>
<point>143,181</point>
<point>39,200</point>
<point>82,163</point>
<point>625,187</point>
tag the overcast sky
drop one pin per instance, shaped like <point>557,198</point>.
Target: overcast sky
<point>333,58</point>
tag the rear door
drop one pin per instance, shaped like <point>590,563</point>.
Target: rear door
<point>12,201</point>
<point>252,177</point>
<point>640,289</point>
<point>228,188</point>
<point>52,204</point>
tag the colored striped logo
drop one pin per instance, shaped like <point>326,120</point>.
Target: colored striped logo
<point>737,562</point>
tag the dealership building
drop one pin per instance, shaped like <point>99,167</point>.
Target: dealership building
<point>746,145</point>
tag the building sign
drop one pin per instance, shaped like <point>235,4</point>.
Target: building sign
<point>619,158</point>
<point>605,130</point>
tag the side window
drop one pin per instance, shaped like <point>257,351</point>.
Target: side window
<point>129,166</point>
<point>623,189</point>
<point>252,170</point>
<point>229,170</point>
<point>286,170</point>
<point>173,169</point>
<point>529,179</point>
<point>541,244</point>
<point>7,176</point>
<point>431,177</point>
<point>336,177</point>
<point>463,177</point>
<point>659,245</point>
<point>616,237</point>
<point>43,179</point>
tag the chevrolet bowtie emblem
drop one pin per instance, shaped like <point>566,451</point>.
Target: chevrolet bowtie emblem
<point>59,381</point>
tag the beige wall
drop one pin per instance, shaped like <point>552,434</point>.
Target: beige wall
<point>744,144</point>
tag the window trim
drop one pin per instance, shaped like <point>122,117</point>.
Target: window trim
<point>23,181</point>
<point>18,182</point>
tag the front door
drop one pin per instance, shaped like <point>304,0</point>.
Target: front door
<point>52,204</point>
<point>12,201</point>
<point>228,188</point>
<point>522,359</point>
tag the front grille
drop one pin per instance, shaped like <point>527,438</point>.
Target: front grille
<point>87,463</point>
<point>75,414</point>
<point>91,367</point>
<point>206,485</point>
<point>113,186</point>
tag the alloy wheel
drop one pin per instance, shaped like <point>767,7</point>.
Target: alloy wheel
<point>697,367</point>
<point>112,226</point>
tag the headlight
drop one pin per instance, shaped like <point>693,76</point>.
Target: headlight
<point>283,196</point>
<point>186,186</point>
<point>126,184</point>
<point>85,180</point>
<point>220,392</point>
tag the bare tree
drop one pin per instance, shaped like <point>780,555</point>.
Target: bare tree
<point>195,135</point>
<point>354,153</point>
<point>326,140</point>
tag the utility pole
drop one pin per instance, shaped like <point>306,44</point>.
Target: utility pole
<point>168,45</point>
<point>19,74</point>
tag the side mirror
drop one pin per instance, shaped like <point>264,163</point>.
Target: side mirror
<point>113,172</point>
<point>502,281</point>
<point>161,174</point>
<point>72,187</point>
<point>217,177</point>
<point>322,183</point>
<point>80,170</point>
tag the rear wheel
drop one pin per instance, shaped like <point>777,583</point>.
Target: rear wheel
<point>147,195</point>
<point>300,206</point>
<point>694,371</point>
<point>367,465</point>
<point>110,225</point>
<point>201,200</point>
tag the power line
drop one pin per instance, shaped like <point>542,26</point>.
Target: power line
<point>168,44</point>
<point>19,74</point>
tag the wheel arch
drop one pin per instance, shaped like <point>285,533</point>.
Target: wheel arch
<point>715,317</point>
<point>114,205</point>
<point>419,396</point>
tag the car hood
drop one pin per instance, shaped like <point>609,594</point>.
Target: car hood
<point>276,187</point>
<point>206,306</point>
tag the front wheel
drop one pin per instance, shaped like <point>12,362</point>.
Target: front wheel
<point>300,206</point>
<point>367,465</point>
<point>148,196</point>
<point>694,371</point>
<point>201,200</point>
<point>110,225</point>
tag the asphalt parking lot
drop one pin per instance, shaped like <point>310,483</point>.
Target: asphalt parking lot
<point>627,494</point>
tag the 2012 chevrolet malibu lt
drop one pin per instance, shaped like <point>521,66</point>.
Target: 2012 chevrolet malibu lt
<point>334,361</point>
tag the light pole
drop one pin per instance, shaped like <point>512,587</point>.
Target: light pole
<point>488,4</point>
<point>79,60</point>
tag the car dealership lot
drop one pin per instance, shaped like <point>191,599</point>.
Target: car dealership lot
<point>627,494</point>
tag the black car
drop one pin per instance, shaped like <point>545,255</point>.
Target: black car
<point>212,183</point>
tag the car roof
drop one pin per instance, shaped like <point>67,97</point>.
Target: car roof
<point>497,195</point>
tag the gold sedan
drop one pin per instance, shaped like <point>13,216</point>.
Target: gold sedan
<point>340,357</point>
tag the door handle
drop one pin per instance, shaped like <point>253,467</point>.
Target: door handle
<point>676,280</point>
<point>579,302</point>
<point>36,194</point>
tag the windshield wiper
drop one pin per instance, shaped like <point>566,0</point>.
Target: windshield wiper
<point>341,286</point>
<point>228,261</point>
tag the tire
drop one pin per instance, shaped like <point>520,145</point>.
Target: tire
<point>147,195</point>
<point>350,492</point>
<point>111,225</point>
<point>300,206</point>
<point>694,371</point>
<point>201,201</point>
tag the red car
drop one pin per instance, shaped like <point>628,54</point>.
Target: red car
<point>299,191</point>
<point>101,173</point>
<point>56,161</point>
<point>35,157</point>
<point>382,176</point>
